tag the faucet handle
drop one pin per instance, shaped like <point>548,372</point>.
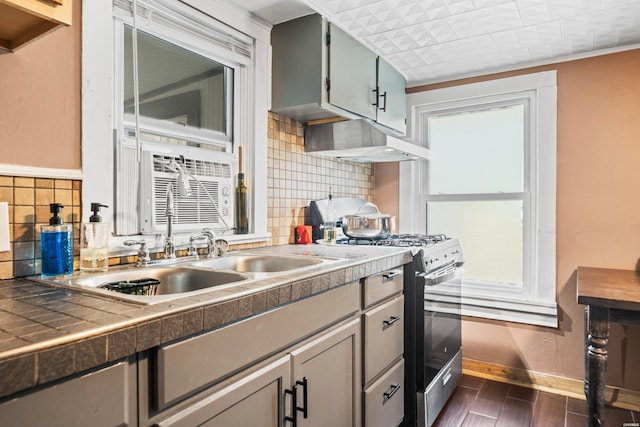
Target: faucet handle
<point>143,252</point>
<point>211,242</point>
<point>192,250</point>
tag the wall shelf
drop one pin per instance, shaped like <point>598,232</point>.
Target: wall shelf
<point>22,21</point>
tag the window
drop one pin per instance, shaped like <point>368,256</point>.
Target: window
<point>490,182</point>
<point>476,187</point>
<point>199,94</point>
<point>177,88</point>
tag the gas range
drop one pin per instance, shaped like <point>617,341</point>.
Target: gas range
<point>431,251</point>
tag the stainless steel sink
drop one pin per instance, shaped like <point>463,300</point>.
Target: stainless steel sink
<point>172,280</point>
<point>159,283</point>
<point>260,263</point>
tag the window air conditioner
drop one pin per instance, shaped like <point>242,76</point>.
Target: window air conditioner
<point>208,171</point>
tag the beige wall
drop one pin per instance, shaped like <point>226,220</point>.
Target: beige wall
<point>598,218</point>
<point>40,102</point>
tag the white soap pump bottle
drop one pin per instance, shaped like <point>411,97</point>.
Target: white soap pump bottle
<point>94,242</point>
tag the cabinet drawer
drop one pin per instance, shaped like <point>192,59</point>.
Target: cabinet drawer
<point>381,286</point>
<point>384,336</point>
<point>384,399</point>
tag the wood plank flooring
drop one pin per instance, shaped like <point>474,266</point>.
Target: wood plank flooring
<point>477,402</point>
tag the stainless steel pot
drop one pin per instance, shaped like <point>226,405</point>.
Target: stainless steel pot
<point>368,225</point>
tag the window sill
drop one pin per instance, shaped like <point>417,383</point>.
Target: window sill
<point>495,308</point>
<point>155,242</point>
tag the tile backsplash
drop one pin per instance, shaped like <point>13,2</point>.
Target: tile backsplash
<point>28,200</point>
<point>294,179</point>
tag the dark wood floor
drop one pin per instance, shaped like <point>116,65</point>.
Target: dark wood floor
<point>482,403</point>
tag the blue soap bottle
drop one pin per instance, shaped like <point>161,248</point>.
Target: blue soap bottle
<point>56,245</point>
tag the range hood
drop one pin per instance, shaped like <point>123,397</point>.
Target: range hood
<point>359,141</point>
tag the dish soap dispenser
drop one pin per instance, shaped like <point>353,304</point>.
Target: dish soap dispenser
<point>330,222</point>
<point>94,242</point>
<point>56,245</point>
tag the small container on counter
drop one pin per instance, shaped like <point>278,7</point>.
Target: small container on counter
<point>56,245</point>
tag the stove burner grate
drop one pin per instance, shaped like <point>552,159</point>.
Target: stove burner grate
<point>402,240</point>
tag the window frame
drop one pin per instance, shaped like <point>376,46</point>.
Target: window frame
<point>100,129</point>
<point>535,301</point>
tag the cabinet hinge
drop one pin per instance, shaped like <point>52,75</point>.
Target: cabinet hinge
<point>328,38</point>
<point>328,84</point>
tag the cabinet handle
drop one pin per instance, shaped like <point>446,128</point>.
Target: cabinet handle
<point>384,106</point>
<point>375,91</point>
<point>305,407</point>
<point>390,274</point>
<point>391,321</point>
<point>394,389</point>
<point>293,419</point>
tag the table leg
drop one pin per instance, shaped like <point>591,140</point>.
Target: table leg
<point>598,336</point>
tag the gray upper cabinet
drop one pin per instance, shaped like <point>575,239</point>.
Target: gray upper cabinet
<point>392,99</point>
<point>321,72</point>
<point>352,74</point>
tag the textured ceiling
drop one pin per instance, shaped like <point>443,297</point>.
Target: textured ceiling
<point>435,40</point>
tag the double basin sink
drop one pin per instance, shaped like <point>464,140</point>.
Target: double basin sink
<point>163,282</point>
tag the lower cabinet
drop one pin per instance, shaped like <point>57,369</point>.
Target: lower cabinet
<point>328,370</point>
<point>317,384</point>
<point>105,397</point>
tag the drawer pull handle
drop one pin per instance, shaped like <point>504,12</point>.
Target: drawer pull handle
<point>390,274</point>
<point>391,321</point>
<point>394,389</point>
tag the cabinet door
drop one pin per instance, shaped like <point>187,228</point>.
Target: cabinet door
<point>256,400</point>
<point>392,103</point>
<point>331,365</point>
<point>106,397</point>
<point>352,74</point>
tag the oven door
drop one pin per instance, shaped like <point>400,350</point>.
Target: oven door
<point>442,343</point>
<point>442,329</point>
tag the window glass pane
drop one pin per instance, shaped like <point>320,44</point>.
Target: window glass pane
<point>475,152</point>
<point>490,233</point>
<point>175,84</point>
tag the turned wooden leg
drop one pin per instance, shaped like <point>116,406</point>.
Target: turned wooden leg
<point>586,354</point>
<point>597,363</point>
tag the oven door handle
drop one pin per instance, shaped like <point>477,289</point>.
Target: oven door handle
<point>434,278</point>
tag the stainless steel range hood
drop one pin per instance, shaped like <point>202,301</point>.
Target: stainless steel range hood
<point>359,141</point>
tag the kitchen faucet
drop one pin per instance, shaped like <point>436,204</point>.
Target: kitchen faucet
<point>169,244</point>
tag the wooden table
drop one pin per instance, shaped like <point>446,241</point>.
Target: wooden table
<point>610,296</point>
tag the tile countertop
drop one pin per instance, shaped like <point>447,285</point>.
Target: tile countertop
<point>49,332</point>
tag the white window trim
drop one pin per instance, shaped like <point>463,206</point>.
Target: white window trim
<point>535,304</point>
<point>98,121</point>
